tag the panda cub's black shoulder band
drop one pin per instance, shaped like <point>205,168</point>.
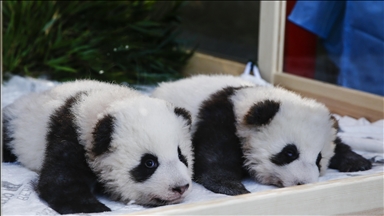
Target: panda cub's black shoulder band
<point>218,156</point>
<point>8,156</point>
<point>63,121</point>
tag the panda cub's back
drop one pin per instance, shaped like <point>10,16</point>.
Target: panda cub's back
<point>27,119</point>
<point>197,88</point>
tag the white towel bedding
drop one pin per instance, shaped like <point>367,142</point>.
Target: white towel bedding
<point>19,198</point>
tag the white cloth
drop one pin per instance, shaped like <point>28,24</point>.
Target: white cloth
<point>19,198</point>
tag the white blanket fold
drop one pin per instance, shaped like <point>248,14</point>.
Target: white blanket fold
<point>18,196</point>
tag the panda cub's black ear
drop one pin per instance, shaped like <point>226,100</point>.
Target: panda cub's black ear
<point>261,113</point>
<point>102,135</point>
<point>184,113</point>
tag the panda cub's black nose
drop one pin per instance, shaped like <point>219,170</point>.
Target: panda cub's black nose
<point>180,189</point>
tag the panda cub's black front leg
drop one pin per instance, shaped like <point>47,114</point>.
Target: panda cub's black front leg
<point>345,160</point>
<point>66,182</point>
<point>222,183</point>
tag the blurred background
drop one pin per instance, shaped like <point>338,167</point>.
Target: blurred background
<point>339,42</point>
<point>121,41</point>
<point>141,42</point>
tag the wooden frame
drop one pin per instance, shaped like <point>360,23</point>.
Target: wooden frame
<point>338,99</point>
<point>356,195</point>
<point>325,198</point>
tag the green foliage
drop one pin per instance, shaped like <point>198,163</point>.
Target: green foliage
<point>130,41</point>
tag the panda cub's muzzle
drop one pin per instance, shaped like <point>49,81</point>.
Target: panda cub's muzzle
<point>177,193</point>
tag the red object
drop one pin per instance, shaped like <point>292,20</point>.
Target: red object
<point>299,48</point>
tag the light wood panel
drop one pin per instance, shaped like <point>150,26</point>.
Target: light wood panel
<point>205,64</point>
<point>339,100</point>
<point>343,196</point>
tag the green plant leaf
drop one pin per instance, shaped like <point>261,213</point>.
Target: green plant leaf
<point>128,40</point>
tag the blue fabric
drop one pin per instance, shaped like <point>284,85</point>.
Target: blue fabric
<point>353,34</point>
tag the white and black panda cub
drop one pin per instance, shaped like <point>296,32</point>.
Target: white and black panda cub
<point>279,137</point>
<point>84,134</point>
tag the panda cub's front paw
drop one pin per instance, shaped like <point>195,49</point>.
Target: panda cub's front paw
<point>354,162</point>
<point>346,160</point>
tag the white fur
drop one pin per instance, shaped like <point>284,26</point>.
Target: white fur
<point>143,125</point>
<point>191,92</point>
<point>303,122</point>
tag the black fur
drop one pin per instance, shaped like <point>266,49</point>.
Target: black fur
<point>288,154</point>
<point>102,135</point>
<point>8,156</point>
<point>66,182</point>
<point>262,113</point>
<point>182,158</point>
<point>218,156</point>
<point>146,168</point>
<point>183,113</point>
<point>345,160</point>
<point>319,157</point>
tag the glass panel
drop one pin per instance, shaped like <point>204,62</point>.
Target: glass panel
<point>226,29</point>
<point>340,42</point>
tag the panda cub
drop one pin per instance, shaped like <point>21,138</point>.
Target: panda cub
<point>272,134</point>
<point>87,134</point>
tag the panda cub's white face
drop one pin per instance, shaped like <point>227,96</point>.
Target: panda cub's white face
<point>287,140</point>
<point>149,157</point>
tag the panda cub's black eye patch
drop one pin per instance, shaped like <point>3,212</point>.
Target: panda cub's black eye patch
<point>182,157</point>
<point>319,157</point>
<point>146,168</point>
<point>288,154</point>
